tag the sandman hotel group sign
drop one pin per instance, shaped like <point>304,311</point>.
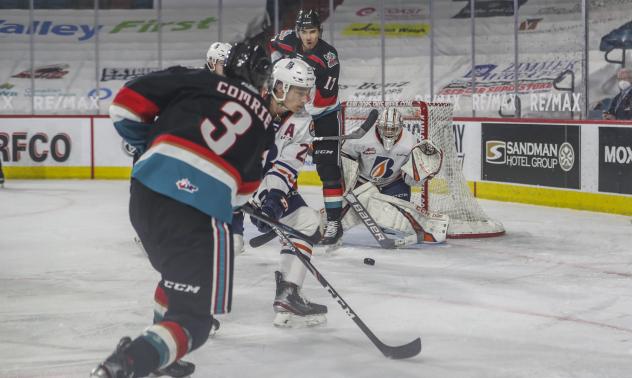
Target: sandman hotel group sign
<point>545,155</point>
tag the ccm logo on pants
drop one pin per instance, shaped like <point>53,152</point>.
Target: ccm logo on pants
<point>181,287</point>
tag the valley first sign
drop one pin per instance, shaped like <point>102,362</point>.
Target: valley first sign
<point>87,31</point>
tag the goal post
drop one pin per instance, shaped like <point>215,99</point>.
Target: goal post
<point>448,192</point>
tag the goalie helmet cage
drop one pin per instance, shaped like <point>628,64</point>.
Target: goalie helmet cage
<point>448,192</point>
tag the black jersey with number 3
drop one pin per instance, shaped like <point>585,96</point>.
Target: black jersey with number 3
<point>205,139</point>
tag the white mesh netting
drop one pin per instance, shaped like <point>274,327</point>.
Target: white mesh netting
<point>448,193</point>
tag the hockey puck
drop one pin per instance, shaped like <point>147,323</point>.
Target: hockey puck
<point>369,261</point>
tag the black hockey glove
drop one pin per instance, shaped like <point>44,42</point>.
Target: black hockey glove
<point>273,206</point>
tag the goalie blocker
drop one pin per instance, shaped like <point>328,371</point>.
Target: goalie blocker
<point>413,222</point>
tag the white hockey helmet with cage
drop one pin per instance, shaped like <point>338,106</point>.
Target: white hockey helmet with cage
<point>218,51</point>
<point>292,72</point>
<point>389,127</point>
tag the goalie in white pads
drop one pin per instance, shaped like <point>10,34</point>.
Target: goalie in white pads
<point>381,167</point>
<point>293,79</point>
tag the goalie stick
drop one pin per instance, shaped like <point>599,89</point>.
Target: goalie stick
<point>395,352</point>
<point>357,134</point>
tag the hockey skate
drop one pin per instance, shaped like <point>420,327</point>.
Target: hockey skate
<point>332,234</point>
<point>117,365</point>
<point>214,328</point>
<point>177,369</point>
<point>139,244</point>
<point>294,310</point>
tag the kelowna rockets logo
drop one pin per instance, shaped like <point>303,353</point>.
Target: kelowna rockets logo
<point>186,185</point>
<point>382,167</point>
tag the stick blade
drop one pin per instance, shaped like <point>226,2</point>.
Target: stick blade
<point>401,352</point>
<point>262,239</point>
<point>388,244</point>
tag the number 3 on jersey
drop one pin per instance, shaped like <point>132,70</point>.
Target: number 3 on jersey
<point>236,121</point>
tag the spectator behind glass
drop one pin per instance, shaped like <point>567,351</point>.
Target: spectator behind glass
<point>621,105</point>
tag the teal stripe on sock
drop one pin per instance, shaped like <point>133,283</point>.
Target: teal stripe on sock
<point>333,205</point>
<point>159,344</point>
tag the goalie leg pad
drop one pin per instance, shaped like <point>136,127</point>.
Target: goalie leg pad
<point>403,216</point>
<point>363,193</point>
<point>350,172</point>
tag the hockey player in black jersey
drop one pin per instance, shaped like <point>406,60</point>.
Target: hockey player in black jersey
<point>305,42</point>
<point>201,137</point>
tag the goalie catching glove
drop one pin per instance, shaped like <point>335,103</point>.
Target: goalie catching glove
<point>423,163</point>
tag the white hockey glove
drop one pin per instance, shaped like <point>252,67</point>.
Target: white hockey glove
<point>423,163</point>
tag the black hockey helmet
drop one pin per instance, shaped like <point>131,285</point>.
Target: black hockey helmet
<point>250,63</point>
<point>307,19</point>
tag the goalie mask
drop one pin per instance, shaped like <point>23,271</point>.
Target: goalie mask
<point>389,127</point>
<point>291,72</point>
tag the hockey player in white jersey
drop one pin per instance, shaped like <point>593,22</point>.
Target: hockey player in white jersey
<point>293,81</point>
<point>381,167</point>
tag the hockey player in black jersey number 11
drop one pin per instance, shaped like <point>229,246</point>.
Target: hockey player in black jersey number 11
<point>304,42</point>
<point>202,138</point>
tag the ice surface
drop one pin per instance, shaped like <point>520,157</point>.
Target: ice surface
<point>552,298</point>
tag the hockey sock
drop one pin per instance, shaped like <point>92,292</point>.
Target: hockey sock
<point>292,268</point>
<point>159,346</point>
<point>161,304</point>
<point>332,194</point>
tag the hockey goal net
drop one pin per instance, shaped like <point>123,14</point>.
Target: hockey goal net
<point>448,192</point>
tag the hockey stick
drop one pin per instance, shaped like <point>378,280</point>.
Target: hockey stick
<point>256,213</point>
<point>395,352</point>
<point>357,134</point>
<point>262,239</point>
